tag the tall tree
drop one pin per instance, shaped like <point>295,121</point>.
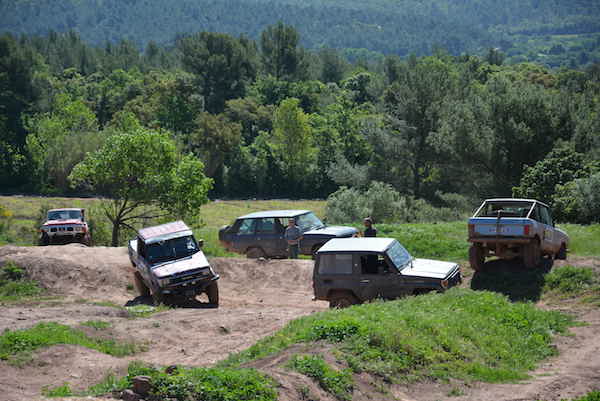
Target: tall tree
<point>282,57</point>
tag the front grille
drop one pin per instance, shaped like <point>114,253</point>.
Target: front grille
<point>195,274</point>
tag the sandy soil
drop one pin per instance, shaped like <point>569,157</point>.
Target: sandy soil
<point>257,298</point>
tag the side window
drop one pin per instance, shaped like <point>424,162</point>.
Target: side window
<point>368,264</point>
<point>269,226</point>
<point>335,264</point>
<point>536,214</point>
<point>546,218</point>
<point>247,226</point>
<point>141,248</point>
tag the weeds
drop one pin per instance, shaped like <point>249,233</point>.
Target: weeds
<point>338,383</point>
<point>14,285</point>
<point>569,280</point>
<point>63,390</point>
<point>97,324</point>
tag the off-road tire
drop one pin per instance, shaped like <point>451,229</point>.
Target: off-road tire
<point>562,253</point>
<point>342,299</point>
<point>255,253</point>
<point>532,254</point>
<point>158,298</point>
<point>141,288</point>
<point>44,240</point>
<point>476,257</point>
<point>212,292</point>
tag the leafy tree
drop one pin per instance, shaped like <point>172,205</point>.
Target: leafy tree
<point>292,141</point>
<point>144,177</point>
<point>282,57</point>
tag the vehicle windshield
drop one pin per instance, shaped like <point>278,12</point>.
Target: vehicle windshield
<point>173,249</point>
<point>64,215</point>
<point>398,255</point>
<point>505,209</point>
<point>308,222</point>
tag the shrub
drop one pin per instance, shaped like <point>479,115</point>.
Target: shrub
<point>579,201</point>
<point>339,383</point>
<point>99,225</point>
<point>569,280</point>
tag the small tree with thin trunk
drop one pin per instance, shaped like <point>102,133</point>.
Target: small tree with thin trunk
<point>145,178</point>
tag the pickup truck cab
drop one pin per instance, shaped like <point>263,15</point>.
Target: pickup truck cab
<point>354,270</point>
<point>64,226</point>
<point>168,261</point>
<point>260,234</point>
<point>509,228</point>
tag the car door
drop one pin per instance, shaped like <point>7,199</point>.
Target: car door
<point>378,279</point>
<point>244,237</point>
<point>550,242</point>
<point>269,236</point>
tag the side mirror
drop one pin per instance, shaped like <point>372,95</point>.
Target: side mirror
<point>200,243</point>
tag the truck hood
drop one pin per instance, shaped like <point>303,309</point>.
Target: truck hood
<point>430,268</point>
<point>62,222</point>
<point>333,231</point>
<point>196,261</point>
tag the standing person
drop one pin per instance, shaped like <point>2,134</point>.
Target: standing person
<point>370,231</point>
<point>293,235</point>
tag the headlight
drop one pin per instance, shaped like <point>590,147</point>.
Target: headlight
<point>78,228</point>
<point>163,282</point>
<point>444,283</point>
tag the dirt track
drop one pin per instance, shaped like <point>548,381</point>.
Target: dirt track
<point>257,298</point>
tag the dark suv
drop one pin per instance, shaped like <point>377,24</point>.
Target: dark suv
<point>354,270</point>
<point>260,234</point>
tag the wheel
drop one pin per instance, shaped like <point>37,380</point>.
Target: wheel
<point>476,257</point>
<point>44,240</point>
<point>532,254</point>
<point>139,285</point>
<point>212,291</point>
<point>339,300</point>
<point>562,253</point>
<point>158,297</point>
<point>255,253</point>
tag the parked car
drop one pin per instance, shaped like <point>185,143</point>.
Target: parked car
<point>64,226</point>
<point>168,261</point>
<point>515,228</point>
<point>260,234</point>
<point>354,270</point>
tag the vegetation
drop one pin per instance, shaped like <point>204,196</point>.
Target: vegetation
<point>462,334</point>
<point>14,343</point>
<point>591,396</point>
<point>63,390</point>
<point>96,324</point>
<point>570,281</point>
<point>338,383</point>
<point>14,284</point>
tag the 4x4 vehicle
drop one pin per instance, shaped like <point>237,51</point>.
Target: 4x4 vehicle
<point>260,234</point>
<point>168,261</point>
<point>355,270</point>
<point>509,228</point>
<point>63,226</point>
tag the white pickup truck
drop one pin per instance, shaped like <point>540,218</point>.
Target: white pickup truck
<point>168,261</point>
<point>509,228</point>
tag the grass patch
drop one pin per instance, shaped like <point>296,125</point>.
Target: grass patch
<point>591,396</point>
<point>97,324</point>
<point>572,282</point>
<point>14,285</point>
<point>13,343</point>
<point>207,384</point>
<point>145,310</point>
<point>462,334</point>
<point>64,390</point>
<point>339,383</point>
<point>585,240</point>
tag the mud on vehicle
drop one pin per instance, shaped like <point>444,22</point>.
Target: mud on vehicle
<point>354,270</point>
<point>169,262</point>
<point>260,234</point>
<point>515,228</point>
<point>65,226</point>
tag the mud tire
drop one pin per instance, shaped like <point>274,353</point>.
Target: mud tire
<point>255,253</point>
<point>44,240</point>
<point>532,254</point>
<point>476,257</point>
<point>158,298</point>
<point>141,288</point>
<point>212,292</point>
<point>342,299</point>
<point>562,253</point>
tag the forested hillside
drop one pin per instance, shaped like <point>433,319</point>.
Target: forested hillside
<point>269,118</point>
<point>553,32</point>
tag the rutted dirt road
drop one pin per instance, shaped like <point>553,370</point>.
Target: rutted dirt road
<point>257,298</point>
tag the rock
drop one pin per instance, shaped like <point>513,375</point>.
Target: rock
<point>142,385</point>
<point>129,395</point>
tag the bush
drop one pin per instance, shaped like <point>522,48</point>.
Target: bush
<point>569,280</point>
<point>99,225</point>
<point>5,222</point>
<point>384,204</point>
<point>579,201</point>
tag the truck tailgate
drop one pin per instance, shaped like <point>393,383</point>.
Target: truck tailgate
<point>505,227</point>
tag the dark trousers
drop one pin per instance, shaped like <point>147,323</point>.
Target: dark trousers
<point>293,250</point>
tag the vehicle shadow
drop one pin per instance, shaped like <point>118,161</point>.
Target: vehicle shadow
<point>173,302</point>
<point>511,278</point>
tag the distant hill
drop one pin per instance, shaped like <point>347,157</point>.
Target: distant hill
<point>552,31</point>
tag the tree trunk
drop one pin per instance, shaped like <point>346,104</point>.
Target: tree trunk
<point>115,233</point>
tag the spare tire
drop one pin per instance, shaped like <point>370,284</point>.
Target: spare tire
<point>212,291</point>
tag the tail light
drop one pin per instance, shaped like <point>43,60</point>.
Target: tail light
<point>471,230</point>
<point>526,230</point>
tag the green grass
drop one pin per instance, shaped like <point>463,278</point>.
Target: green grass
<point>572,282</point>
<point>463,334</point>
<point>142,311</point>
<point>64,390</point>
<point>207,384</point>
<point>14,343</point>
<point>585,240</point>
<point>339,383</point>
<point>96,324</point>
<point>14,285</point>
<point>591,396</point>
